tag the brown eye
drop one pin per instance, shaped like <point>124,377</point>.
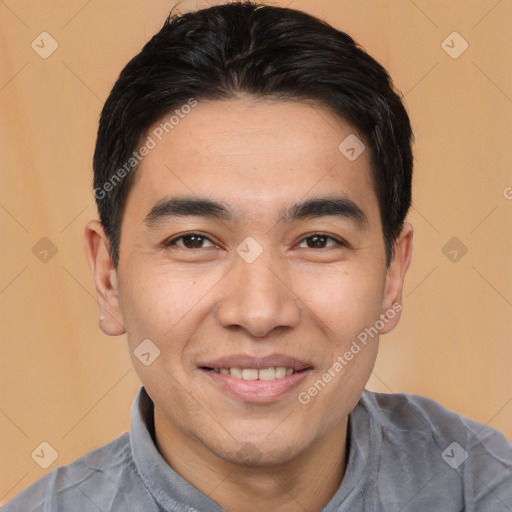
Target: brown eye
<point>319,241</point>
<point>190,241</point>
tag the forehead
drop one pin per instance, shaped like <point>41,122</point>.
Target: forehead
<point>253,155</point>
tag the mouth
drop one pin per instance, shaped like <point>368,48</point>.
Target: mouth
<point>270,373</point>
<point>256,379</point>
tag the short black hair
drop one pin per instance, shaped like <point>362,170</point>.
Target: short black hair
<point>266,52</point>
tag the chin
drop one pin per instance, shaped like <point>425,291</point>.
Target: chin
<point>260,454</point>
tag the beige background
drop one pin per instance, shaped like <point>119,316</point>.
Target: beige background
<point>66,383</point>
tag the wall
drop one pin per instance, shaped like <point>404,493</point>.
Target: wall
<point>65,383</point>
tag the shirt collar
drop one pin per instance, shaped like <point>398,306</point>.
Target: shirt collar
<point>174,493</point>
<point>168,488</point>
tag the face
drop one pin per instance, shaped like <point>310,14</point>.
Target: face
<point>252,258</point>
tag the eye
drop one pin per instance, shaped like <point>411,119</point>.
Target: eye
<point>190,241</point>
<point>320,241</point>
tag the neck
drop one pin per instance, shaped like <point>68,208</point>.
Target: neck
<point>307,482</point>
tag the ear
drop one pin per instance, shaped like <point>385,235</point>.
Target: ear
<point>395,276</point>
<point>105,278</point>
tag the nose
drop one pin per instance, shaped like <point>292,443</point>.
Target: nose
<point>258,297</point>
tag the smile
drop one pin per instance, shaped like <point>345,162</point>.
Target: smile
<point>270,373</point>
<point>256,379</point>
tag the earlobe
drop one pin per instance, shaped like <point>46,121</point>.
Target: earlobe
<point>395,277</point>
<point>105,279</point>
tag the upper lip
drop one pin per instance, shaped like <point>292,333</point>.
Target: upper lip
<point>247,361</point>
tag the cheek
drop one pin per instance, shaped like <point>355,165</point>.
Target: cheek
<point>346,300</point>
<point>160,303</point>
<point>157,306</point>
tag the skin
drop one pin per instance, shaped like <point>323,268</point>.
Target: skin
<point>199,304</point>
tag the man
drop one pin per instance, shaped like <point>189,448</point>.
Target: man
<point>253,174</point>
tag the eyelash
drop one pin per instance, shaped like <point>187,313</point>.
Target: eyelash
<point>171,242</point>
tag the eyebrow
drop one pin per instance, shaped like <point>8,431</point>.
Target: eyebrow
<point>338,206</point>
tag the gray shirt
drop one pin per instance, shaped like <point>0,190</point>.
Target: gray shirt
<point>406,453</point>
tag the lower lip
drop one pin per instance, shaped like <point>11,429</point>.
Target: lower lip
<point>257,391</point>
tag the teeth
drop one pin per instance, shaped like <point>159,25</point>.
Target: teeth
<point>281,372</point>
<point>267,374</point>
<point>253,374</point>
<point>236,372</point>
<point>250,374</point>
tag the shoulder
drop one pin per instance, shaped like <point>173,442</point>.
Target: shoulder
<point>455,454</point>
<point>91,482</point>
<point>421,416</point>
